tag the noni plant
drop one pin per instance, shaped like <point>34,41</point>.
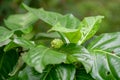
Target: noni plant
<point>69,50</point>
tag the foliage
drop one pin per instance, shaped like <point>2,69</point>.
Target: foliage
<point>68,51</point>
<point>80,8</point>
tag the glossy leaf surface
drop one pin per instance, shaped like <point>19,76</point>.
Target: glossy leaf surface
<point>105,53</point>
<point>52,18</point>
<point>56,72</point>
<point>89,27</point>
<point>24,43</point>
<point>41,56</point>
<point>109,42</point>
<point>76,53</point>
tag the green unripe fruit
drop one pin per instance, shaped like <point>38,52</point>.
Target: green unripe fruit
<point>56,43</point>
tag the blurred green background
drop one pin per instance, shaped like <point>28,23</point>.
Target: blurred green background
<point>80,8</point>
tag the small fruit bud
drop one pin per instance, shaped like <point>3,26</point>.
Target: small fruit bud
<point>56,43</point>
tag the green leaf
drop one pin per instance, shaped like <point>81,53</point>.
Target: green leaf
<point>114,62</point>
<point>5,34</point>
<point>105,53</point>
<point>21,22</point>
<point>66,24</point>
<point>72,35</point>
<point>29,73</point>
<point>77,53</point>
<point>7,61</point>
<point>59,72</point>
<point>56,72</point>
<point>23,42</point>
<point>41,56</point>
<point>52,18</point>
<point>48,17</point>
<point>101,67</point>
<point>58,27</point>
<point>89,27</point>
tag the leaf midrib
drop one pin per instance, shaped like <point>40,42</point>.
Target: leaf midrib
<point>103,51</point>
<point>84,37</point>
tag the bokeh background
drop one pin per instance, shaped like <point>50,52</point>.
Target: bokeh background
<point>80,8</point>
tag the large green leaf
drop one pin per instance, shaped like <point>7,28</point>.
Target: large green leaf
<point>89,27</point>
<point>41,56</point>
<point>21,22</point>
<point>5,34</point>
<point>105,53</point>
<point>65,24</point>
<point>49,17</point>
<point>59,72</point>
<point>52,18</point>
<point>56,72</point>
<point>102,60</point>
<point>105,66</point>
<point>77,53</point>
<point>7,61</point>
